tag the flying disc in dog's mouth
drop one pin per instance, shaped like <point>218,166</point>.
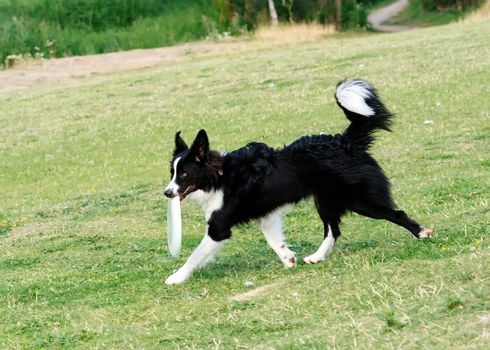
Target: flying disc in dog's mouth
<point>174,226</point>
<point>187,191</point>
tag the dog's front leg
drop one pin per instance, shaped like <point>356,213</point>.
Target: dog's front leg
<point>271,227</point>
<point>206,250</point>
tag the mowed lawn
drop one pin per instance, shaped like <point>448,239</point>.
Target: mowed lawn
<point>81,175</point>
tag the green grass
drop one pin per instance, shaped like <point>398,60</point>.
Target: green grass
<point>416,15</point>
<point>85,164</point>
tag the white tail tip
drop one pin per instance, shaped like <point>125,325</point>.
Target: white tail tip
<point>352,95</point>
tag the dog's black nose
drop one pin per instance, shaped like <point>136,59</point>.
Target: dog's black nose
<point>169,193</point>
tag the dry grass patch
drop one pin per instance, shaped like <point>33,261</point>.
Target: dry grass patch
<point>35,230</point>
<point>256,292</point>
<point>481,14</point>
<point>292,33</point>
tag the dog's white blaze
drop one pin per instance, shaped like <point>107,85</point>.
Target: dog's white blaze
<point>173,185</point>
<point>325,248</point>
<point>209,201</point>
<point>206,250</point>
<point>352,96</point>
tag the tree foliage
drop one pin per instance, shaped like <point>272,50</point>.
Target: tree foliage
<point>252,13</point>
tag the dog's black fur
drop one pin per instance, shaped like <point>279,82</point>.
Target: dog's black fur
<point>336,170</point>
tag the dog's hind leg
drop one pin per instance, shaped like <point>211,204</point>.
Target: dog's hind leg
<point>331,229</point>
<point>325,248</point>
<point>271,227</point>
<point>395,216</point>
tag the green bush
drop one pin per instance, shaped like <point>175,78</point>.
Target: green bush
<point>56,28</point>
<point>438,5</point>
<point>354,15</point>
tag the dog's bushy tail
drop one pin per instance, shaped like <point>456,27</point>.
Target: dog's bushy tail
<point>362,106</point>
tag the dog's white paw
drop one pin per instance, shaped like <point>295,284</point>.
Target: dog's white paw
<point>426,232</point>
<point>288,258</point>
<point>289,262</point>
<point>313,259</point>
<point>177,277</point>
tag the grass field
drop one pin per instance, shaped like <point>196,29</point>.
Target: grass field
<point>82,226</point>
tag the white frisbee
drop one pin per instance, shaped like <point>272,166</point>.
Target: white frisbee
<point>174,226</point>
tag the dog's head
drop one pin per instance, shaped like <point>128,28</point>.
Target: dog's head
<point>194,168</point>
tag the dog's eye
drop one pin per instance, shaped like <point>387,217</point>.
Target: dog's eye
<point>184,174</point>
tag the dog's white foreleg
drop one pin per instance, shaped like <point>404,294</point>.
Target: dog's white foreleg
<point>206,250</point>
<point>271,227</point>
<point>325,248</point>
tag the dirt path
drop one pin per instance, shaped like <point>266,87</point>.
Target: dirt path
<point>380,16</point>
<point>64,70</point>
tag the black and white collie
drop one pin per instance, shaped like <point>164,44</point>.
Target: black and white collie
<point>260,183</point>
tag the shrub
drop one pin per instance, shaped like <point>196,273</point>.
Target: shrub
<point>54,28</point>
<point>439,5</point>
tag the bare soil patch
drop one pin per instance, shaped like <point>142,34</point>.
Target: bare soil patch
<point>70,69</point>
<point>252,293</point>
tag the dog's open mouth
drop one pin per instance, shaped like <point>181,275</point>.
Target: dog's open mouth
<point>188,190</point>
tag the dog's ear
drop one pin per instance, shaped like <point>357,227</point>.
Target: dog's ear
<point>180,144</point>
<point>200,146</point>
